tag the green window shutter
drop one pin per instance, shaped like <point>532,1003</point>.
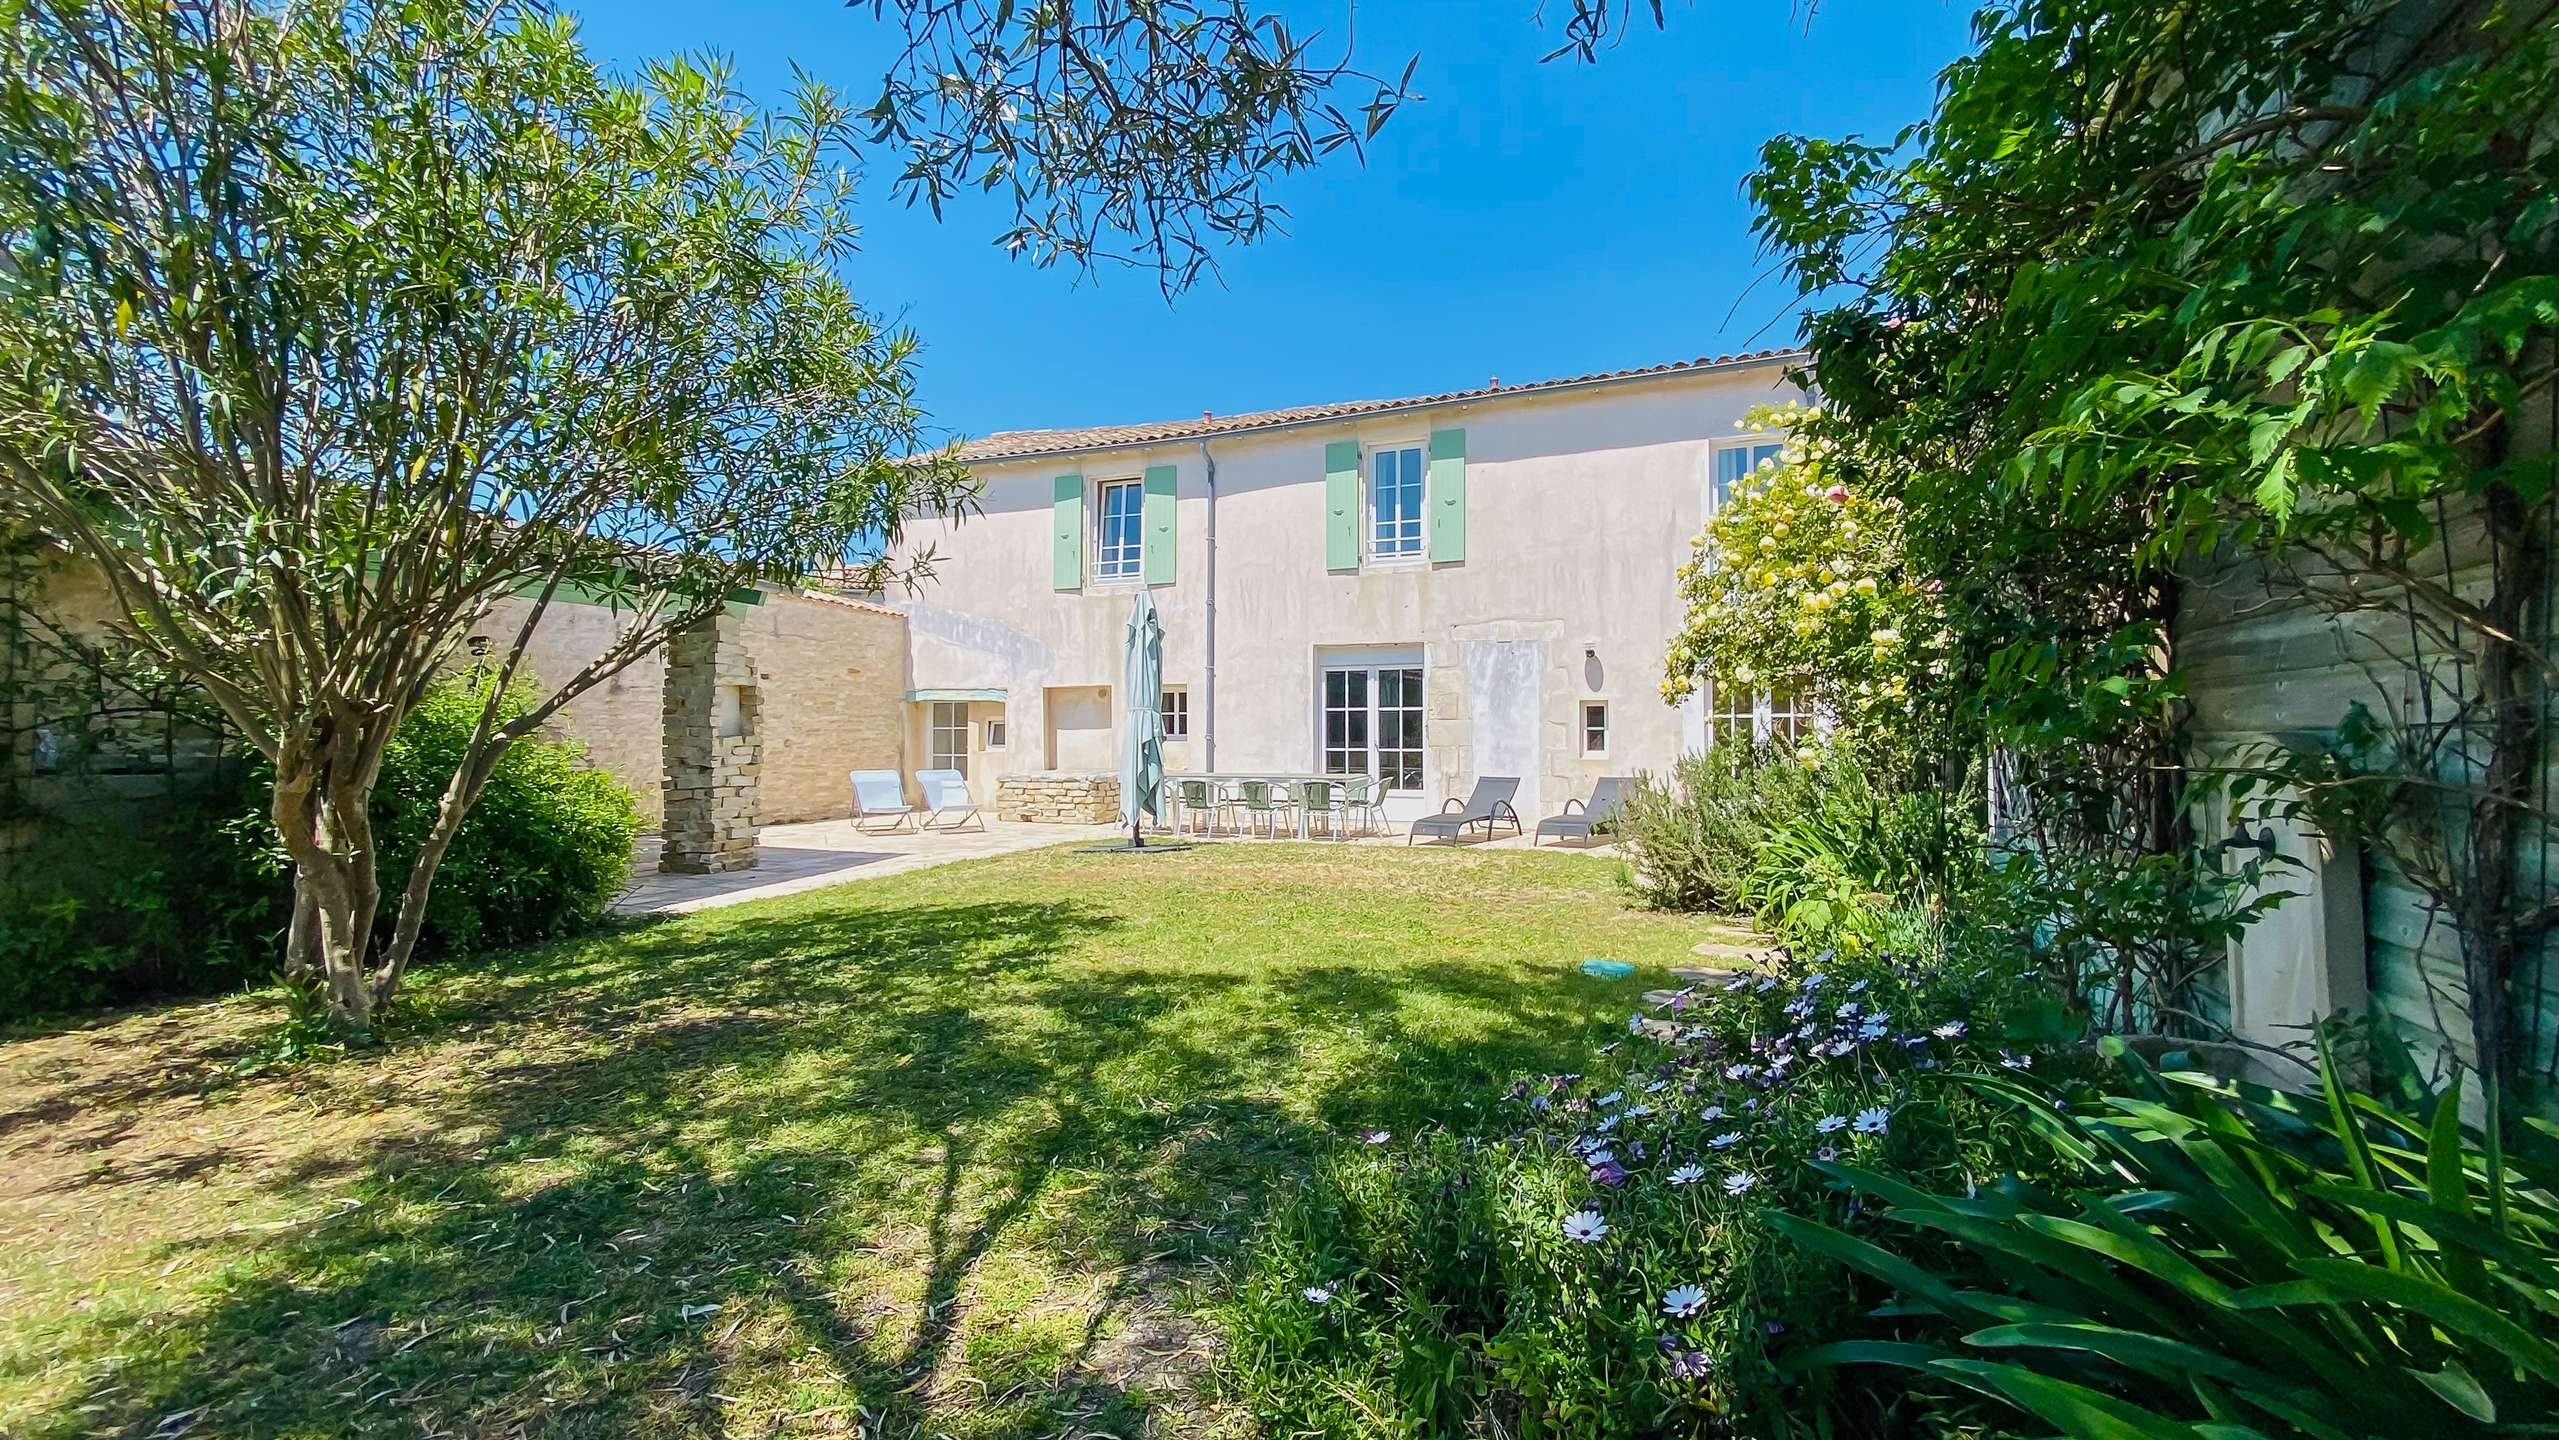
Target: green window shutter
<point>1157,552</point>
<point>1341,505</point>
<point>1067,530</point>
<point>1447,489</point>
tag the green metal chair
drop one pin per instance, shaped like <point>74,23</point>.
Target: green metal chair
<point>1263,800</point>
<point>1360,798</point>
<point>1194,797</point>
<point>1325,798</point>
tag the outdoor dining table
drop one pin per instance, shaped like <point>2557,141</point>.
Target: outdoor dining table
<point>1219,779</point>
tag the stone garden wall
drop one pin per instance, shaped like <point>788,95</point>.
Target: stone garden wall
<point>1059,798</point>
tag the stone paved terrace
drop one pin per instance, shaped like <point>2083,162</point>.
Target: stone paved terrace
<point>816,853</point>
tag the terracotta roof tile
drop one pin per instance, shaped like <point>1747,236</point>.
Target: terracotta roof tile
<point>1025,444</point>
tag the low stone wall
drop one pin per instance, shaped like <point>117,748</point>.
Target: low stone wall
<point>1059,799</point>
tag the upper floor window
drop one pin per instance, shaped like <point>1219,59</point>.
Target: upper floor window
<point>1395,501</point>
<point>1735,459</point>
<point>1119,529</point>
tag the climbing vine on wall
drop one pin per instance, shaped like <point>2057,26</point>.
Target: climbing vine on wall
<point>1801,582</point>
<point>2164,282</point>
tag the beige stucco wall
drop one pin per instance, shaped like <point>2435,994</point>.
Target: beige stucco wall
<point>1580,508</point>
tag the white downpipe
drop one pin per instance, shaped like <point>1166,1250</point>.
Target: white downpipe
<point>1208,675</point>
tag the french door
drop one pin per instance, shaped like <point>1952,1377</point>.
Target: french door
<point>949,736</point>
<point>1372,723</point>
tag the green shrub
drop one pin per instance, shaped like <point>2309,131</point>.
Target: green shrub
<point>103,909</point>
<point>1846,868</point>
<point>1693,838</point>
<point>1821,852</point>
<point>541,855</point>
<point>198,898</point>
<point>2229,1262</point>
<point>1434,1287</point>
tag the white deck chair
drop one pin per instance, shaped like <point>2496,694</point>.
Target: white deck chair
<point>878,795</point>
<point>946,798</point>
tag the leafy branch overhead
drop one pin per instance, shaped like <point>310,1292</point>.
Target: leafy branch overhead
<point>1148,132</point>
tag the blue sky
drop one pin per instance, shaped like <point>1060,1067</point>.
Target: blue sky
<point>1524,220</point>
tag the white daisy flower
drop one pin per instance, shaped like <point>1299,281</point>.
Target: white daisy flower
<point>1684,1301</point>
<point>1318,1294</point>
<point>1688,1174</point>
<point>1585,1226</point>
<point>1727,1140</point>
<point>1951,1030</point>
<point>1829,1123</point>
<point>1739,1182</point>
<point>1873,1120</point>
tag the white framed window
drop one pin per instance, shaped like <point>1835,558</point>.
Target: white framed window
<point>994,734</point>
<point>1595,728</point>
<point>1737,458</point>
<point>1371,723</point>
<point>1119,530</point>
<point>1732,717</point>
<point>1790,717</point>
<point>948,740</point>
<point>1744,716</point>
<point>1175,706</point>
<point>1395,502</point>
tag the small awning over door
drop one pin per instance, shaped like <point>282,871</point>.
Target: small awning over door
<point>997,696</point>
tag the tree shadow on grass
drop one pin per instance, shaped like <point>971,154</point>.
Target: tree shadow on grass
<point>886,1168</point>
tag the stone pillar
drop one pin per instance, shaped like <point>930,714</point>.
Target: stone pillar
<point>714,749</point>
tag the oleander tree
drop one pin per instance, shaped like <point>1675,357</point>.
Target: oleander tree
<point>328,325</point>
<point>2167,283</point>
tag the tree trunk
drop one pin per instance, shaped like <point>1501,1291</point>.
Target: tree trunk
<point>322,812</point>
<point>2491,943</point>
<point>460,794</point>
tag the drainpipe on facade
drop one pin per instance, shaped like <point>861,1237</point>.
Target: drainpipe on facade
<point>1208,674</point>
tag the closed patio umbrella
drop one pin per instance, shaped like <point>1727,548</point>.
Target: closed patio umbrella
<point>1142,738</point>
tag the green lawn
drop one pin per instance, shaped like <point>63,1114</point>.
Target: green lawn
<point>951,1153</point>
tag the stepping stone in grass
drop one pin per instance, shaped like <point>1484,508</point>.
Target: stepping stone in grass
<point>1706,977</point>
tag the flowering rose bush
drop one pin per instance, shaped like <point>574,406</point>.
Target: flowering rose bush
<point>1605,1267</point>
<point>1799,582</point>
